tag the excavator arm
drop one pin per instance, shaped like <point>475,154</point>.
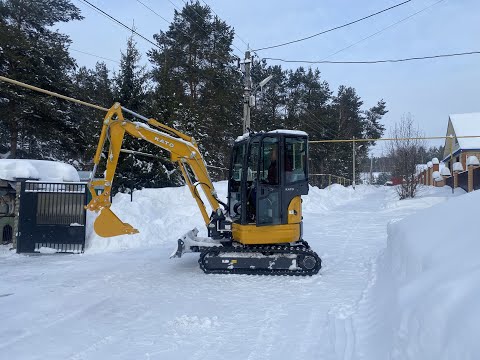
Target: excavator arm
<point>183,151</point>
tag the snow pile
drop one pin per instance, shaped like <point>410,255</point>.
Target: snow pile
<point>472,160</point>
<point>458,167</point>
<point>163,215</point>
<point>425,288</point>
<point>12,169</point>
<point>320,200</point>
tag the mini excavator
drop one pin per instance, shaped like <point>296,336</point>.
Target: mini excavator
<point>258,230</point>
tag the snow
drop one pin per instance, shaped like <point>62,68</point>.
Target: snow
<point>242,137</point>
<point>288,132</point>
<point>427,286</point>
<point>124,299</point>
<point>472,160</point>
<point>445,171</point>
<point>420,168</point>
<point>12,169</point>
<point>457,167</point>
<point>467,125</point>
<point>278,131</point>
<point>436,176</point>
<point>435,161</point>
<point>46,250</point>
<point>429,164</point>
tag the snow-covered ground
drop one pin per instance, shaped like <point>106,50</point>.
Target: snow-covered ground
<point>124,299</point>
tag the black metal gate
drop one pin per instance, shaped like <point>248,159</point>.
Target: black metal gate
<point>476,179</point>
<point>463,180</point>
<point>52,215</point>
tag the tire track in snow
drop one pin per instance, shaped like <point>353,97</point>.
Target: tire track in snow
<point>265,340</point>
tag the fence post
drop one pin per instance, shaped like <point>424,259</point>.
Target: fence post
<point>470,178</point>
<point>472,163</point>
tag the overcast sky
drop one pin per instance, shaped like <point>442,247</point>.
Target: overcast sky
<point>430,90</point>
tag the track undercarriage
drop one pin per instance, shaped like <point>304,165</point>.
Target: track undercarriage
<point>295,259</point>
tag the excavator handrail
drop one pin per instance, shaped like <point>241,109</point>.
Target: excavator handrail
<point>183,151</point>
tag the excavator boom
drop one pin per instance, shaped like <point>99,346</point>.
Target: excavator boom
<point>183,151</point>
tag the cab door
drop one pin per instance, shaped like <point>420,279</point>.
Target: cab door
<point>268,204</point>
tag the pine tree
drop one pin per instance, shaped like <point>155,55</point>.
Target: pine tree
<point>32,52</point>
<point>136,171</point>
<point>197,88</point>
<point>94,86</point>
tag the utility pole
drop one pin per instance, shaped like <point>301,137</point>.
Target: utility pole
<point>247,91</point>
<point>353,151</point>
<point>371,170</point>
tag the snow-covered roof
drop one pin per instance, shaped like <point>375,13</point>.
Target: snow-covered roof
<point>467,125</point>
<point>278,131</point>
<point>13,169</point>
<point>288,132</point>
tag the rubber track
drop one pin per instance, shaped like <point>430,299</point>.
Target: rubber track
<point>302,249</point>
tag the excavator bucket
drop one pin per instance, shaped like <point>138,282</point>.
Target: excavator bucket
<point>108,224</point>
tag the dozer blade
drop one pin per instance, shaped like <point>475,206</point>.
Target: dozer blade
<point>108,224</point>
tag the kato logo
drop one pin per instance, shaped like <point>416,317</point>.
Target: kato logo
<point>289,189</point>
<point>161,141</point>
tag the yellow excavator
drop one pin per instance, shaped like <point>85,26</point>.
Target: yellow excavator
<point>258,230</point>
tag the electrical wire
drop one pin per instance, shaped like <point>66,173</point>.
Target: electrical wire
<point>119,22</point>
<point>377,61</point>
<point>382,30</point>
<point>334,28</point>
<point>97,56</point>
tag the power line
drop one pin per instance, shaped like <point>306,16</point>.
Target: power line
<point>97,56</point>
<point>119,22</point>
<point>153,11</point>
<point>382,30</point>
<point>376,61</point>
<point>334,28</point>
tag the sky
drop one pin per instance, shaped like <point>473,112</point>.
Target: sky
<point>429,90</point>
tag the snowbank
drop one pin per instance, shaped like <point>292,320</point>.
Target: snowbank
<point>12,169</point>
<point>425,287</point>
<point>163,215</point>
<point>320,200</point>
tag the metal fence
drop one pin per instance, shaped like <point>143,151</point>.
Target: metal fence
<point>52,215</point>
<point>462,179</point>
<point>449,181</point>
<point>324,180</point>
<point>476,178</point>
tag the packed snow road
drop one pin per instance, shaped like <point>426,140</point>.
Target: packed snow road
<point>138,304</point>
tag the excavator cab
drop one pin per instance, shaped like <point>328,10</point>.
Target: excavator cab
<point>268,175</point>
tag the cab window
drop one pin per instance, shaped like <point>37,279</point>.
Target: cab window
<point>269,165</point>
<point>295,159</point>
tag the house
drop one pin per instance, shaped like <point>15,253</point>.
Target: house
<point>462,125</point>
